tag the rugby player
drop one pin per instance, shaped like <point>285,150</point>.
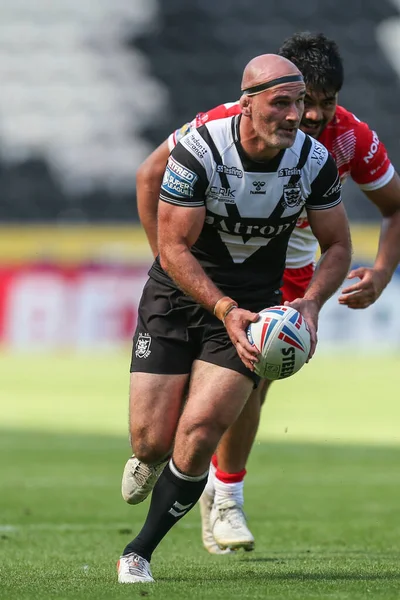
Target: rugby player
<point>359,154</point>
<point>221,256</point>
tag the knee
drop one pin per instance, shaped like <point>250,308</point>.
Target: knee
<point>150,455</point>
<point>204,437</point>
<point>149,447</point>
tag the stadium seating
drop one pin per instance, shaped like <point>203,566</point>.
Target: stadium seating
<point>88,89</point>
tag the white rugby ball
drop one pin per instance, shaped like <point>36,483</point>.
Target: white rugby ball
<point>282,338</point>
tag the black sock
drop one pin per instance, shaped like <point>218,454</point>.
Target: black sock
<point>173,496</point>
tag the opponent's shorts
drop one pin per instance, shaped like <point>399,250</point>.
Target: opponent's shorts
<point>173,331</point>
<point>295,282</point>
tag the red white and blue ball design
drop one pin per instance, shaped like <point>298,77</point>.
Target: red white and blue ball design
<point>282,337</point>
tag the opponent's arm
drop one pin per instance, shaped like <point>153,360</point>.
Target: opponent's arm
<point>148,182</point>
<point>373,280</point>
<point>330,227</point>
<point>328,221</point>
<point>150,173</point>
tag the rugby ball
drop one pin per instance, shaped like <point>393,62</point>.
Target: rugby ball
<point>282,338</point>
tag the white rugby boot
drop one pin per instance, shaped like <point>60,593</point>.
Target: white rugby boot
<point>138,479</point>
<point>206,503</point>
<point>132,568</point>
<point>229,527</point>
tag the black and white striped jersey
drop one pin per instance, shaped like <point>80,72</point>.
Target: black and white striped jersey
<point>251,207</point>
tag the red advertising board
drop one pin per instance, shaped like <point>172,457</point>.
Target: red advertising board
<point>91,306</point>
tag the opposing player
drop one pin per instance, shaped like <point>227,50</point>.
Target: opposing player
<point>221,258</point>
<point>360,155</point>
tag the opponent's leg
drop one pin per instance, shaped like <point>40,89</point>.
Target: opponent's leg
<point>227,481</point>
<point>216,397</point>
<point>205,504</point>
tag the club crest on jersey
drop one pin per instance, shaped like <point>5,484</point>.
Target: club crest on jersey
<point>142,348</point>
<point>292,195</point>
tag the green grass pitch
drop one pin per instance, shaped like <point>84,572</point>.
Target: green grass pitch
<point>322,489</point>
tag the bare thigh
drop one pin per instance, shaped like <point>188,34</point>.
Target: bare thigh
<point>155,405</point>
<point>215,399</point>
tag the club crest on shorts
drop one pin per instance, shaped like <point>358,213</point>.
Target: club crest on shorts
<point>292,195</point>
<point>142,348</point>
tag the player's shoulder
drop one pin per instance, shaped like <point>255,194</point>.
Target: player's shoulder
<point>345,121</point>
<point>308,149</point>
<point>205,142</point>
<point>229,109</point>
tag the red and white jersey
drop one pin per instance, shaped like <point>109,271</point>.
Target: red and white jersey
<point>356,149</point>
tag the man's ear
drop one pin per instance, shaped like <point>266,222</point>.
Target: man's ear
<point>245,105</point>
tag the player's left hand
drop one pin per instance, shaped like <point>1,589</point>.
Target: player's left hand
<point>310,311</point>
<point>366,291</point>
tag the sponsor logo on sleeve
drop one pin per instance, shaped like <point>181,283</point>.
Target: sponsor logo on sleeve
<point>201,118</point>
<point>191,141</point>
<point>373,149</point>
<point>178,180</point>
<point>319,153</point>
<point>184,130</point>
<point>334,189</point>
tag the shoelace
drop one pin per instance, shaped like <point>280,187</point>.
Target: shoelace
<point>137,565</point>
<point>142,473</point>
<point>234,516</point>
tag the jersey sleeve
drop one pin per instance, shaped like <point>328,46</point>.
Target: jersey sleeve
<point>370,168</point>
<point>219,112</point>
<point>326,187</point>
<point>185,179</point>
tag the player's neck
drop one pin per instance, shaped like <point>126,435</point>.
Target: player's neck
<point>257,151</point>
<point>253,146</point>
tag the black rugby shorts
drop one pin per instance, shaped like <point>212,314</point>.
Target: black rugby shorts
<point>173,331</point>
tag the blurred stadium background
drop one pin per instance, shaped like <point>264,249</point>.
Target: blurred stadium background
<point>88,90</point>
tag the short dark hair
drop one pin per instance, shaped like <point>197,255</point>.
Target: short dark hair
<point>317,57</point>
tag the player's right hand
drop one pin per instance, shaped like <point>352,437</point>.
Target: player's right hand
<point>236,323</point>
<point>310,311</point>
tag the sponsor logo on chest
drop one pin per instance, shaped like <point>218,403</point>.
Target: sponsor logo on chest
<point>246,228</point>
<point>289,172</point>
<point>221,194</point>
<point>258,188</point>
<point>230,171</point>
